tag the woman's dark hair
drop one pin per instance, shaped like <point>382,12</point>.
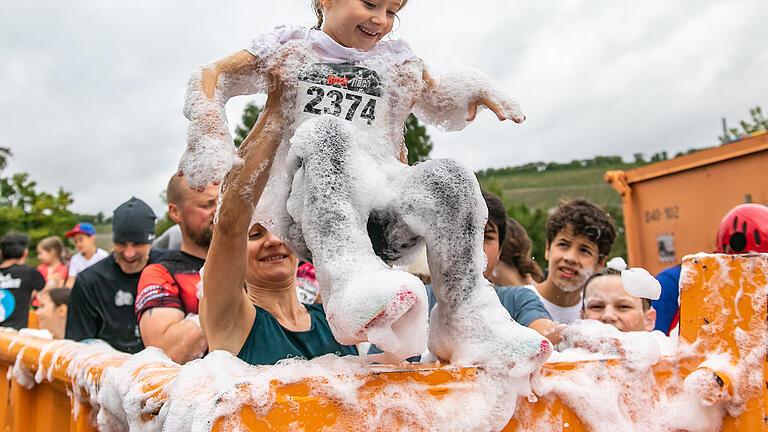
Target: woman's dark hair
<point>318,8</point>
<point>13,245</point>
<point>59,296</point>
<point>497,214</point>
<point>516,251</point>
<point>607,271</point>
<point>586,219</point>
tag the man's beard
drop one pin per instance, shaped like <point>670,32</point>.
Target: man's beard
<point>202,238</point>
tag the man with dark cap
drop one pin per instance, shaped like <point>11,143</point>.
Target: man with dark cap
<point>102,300</point>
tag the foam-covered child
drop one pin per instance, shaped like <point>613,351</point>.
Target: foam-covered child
<point>339,193</point>
<point>621,297</point>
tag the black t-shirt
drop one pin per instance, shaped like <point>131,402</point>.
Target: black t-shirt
<point>16,285</point>
<point>101,304</point>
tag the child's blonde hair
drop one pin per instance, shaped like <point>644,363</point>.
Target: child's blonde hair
<point>318,7</point>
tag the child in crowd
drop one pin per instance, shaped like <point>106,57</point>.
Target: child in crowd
<point>579,238</point>
<point>338,192</point>
<point>53,270</point>
<point>515,266</point>
<point>617,296</point>
<point>52,312</point>
<point>84,237</point>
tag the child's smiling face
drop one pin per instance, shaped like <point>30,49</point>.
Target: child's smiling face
<point>359,23</point>
<point>606,300</point>
<point>572,259</point>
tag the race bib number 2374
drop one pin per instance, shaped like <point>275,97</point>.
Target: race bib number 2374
<point>346,91</point>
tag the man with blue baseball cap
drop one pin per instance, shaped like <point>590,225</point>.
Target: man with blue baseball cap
<point>102,300</point>
<point>83,235</point>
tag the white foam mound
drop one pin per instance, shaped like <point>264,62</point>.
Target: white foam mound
<point>610,398</point>
<point>220,385</point>
<point>639,283</point>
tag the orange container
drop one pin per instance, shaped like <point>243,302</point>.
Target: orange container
<point>723,312</point>
<point>673,208</point>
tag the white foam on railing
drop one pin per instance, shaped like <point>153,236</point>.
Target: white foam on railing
<point>606,396</point>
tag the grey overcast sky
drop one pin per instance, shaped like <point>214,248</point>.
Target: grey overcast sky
<point>92,90</point>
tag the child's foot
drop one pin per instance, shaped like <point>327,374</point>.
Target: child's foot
<point>385,307</point>
<point>481,331</point>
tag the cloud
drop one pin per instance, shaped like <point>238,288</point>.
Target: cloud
<point>93,91</point>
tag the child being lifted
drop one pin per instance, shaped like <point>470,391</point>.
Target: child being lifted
<point>340,195</point>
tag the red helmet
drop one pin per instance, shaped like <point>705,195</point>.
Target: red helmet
<point>744,229</point>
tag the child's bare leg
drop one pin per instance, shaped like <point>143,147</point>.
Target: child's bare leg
<point>331,200</point>
<point>441,202</point>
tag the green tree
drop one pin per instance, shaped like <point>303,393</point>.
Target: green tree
<point>250,116</point>
<point>39,214</point>
<point>759,123</point>
<point>162,224</point>
<point>620,243</point>
<point>658,157</point>
<point>534,220</point>
<point>5,154</point>
<point>417,140</point>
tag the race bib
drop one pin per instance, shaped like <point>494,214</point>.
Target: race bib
<point>352,93</point>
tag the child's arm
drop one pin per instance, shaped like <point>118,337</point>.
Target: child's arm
<point>451,101</point>
<point>210,152</point>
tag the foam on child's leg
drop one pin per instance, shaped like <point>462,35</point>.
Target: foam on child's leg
<point>441,201</point>
<point>364,298</point>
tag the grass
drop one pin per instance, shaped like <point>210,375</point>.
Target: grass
<point>546,188</point>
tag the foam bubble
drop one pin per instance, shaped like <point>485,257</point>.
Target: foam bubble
<point>639,283</point>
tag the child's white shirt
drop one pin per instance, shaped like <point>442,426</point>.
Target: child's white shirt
<point>325,47</point>
<point>560,314</point>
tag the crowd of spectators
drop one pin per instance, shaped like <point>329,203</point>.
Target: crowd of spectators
<point>262,307</point>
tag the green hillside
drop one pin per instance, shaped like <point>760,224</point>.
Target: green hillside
<point>546,188</point>
<point>529,192</point>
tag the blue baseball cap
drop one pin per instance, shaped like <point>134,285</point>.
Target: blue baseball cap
<point>82,228</point>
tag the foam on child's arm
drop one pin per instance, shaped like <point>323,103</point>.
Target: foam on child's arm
<point>446,99</point>
<point>210,150</point>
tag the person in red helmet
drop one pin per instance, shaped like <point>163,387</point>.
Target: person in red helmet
<point>744,229</point>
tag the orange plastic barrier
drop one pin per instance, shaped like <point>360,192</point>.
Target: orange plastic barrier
<point>34,321</point>
<point>723,311</point>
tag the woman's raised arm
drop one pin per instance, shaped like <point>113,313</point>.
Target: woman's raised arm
<point>226,314</point>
